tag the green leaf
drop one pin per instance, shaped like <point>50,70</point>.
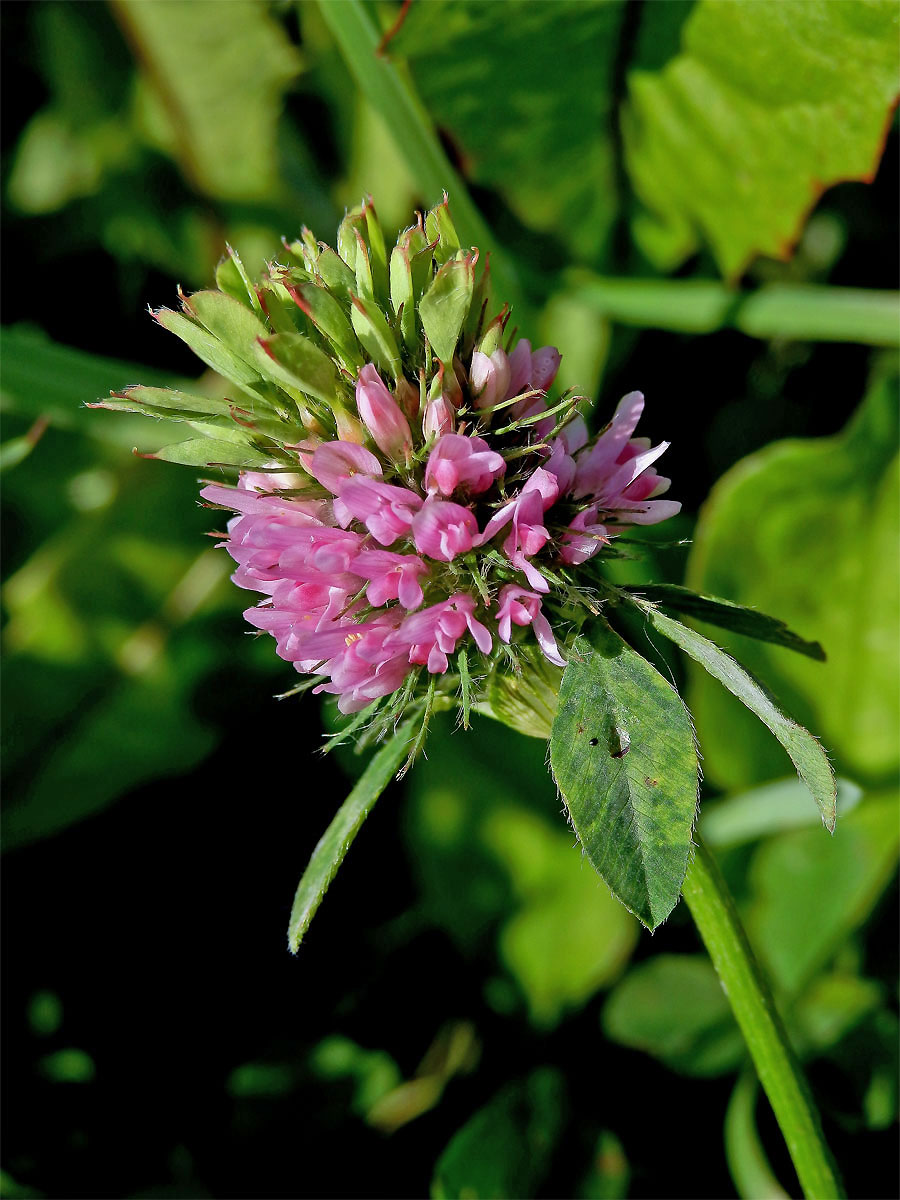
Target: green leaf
<point>332,847</point>
<point>737,617</point>
<point>674,1008</point>
<point>766,103</point>
<point>506,1147</point>
<point>569,937</point>
<point>216,84</point>
<point>809,530</point>
<point>623,756</point>
<point>535,126</point>
<point>444,307</point>
<point>769,809</point>
<point>806,754</point>
<point>809,893</point>
<point>44,379</point>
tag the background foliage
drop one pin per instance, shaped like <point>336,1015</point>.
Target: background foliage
<point>686,198</point>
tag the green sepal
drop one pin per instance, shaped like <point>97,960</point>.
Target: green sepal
<point>330,319</point>
<point>445,305</point>
<point>335,274</point>
<point>227,319</point>
<point>526,698</point>
<point>365,284</point>
<point>211,452</point>
<point>281,308</point>
<point>232,277</point>
<point>208,348</point>
<point>439,228</point>
<point>295,362</point>
<point>410,271</point>
<point>624,758</point>
<point>373,331</point>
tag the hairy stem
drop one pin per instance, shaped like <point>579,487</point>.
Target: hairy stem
<point>751,1001</point>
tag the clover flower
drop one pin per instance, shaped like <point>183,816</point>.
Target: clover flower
<point>411,505</point>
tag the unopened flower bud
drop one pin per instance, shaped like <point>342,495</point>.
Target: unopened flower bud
<point>381,414</point>
<point>489,378</point>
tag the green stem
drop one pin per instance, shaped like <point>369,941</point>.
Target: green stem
<point>751,1001</point>
<point>805,311</point>
<point>394,99</point>
<point>338,837</point>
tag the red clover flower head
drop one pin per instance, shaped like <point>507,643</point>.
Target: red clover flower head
<point>413,507</point>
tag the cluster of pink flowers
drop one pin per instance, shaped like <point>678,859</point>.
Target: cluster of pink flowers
<point>457,521</point>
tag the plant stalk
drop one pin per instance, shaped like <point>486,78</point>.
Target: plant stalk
<point>754,1008</point>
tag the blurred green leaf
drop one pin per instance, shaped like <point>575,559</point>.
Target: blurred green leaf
<point>374,1072</point>
<point>770,809</point>
<point>766,103</point>
<point>747,1162</point>
<point>215,75</point>
<point>831,1006</point>
<point>491,862</point>
<point>503,1151</point>
<point>569,937</point>
<point>673,1007</point>
<point>810,892</point>
<point>623,756</point>
<point>533,123</point>
<point>68,1066</point>
<point>808,530</point>
<point>806,754</point>
<point>43,379</point>
<point>610,1174</point>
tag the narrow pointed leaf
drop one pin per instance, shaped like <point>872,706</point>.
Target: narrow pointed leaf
<point>737,617</point>
<point>338,837</point>
<point>228,320</point>
<point>623,756</point>
<point>805,751</point>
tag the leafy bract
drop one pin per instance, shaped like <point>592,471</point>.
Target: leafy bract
<point>806,753</point>
<point>623,756</point>
<point>766,103</point>
<point>809,530</point>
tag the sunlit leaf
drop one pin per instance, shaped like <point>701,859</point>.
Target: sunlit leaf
<point>765,103</point>
<point>810,892</point>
